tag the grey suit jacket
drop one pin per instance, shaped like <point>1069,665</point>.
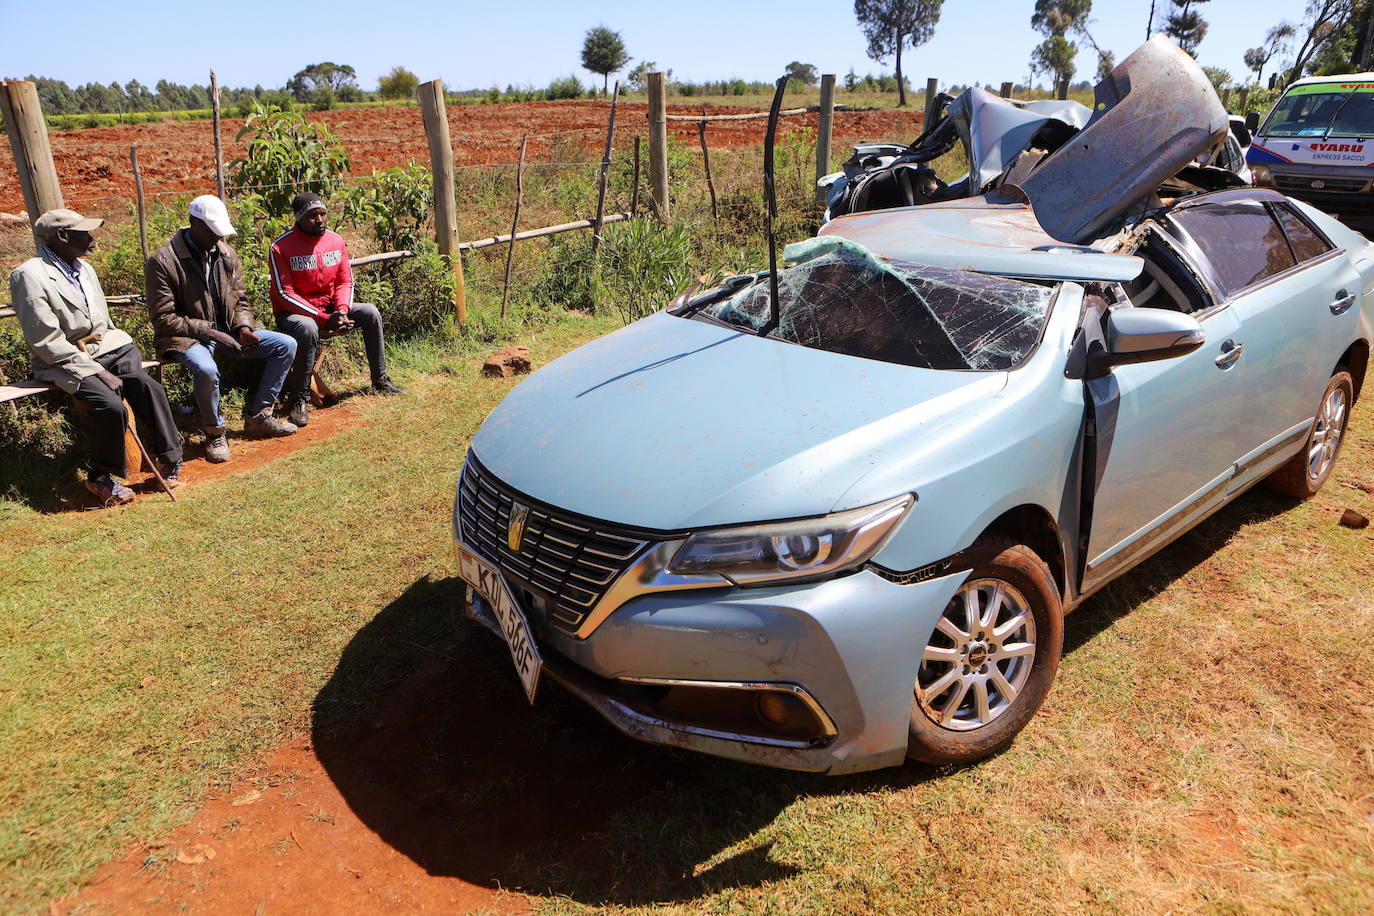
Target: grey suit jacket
<point>54,319</point>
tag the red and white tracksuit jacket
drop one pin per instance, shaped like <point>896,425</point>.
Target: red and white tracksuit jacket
<point>311,276</point>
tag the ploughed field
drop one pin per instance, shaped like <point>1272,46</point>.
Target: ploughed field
<point>178,156</point>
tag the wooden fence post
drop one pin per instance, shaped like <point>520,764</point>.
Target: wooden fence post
<point>1006,91</point>
<point>824,129</point>
<point>1226,98</point>
<point>634,194</point>
<point>138,200</point>
<point>658,144</point>
<point>1244,100</point>
<point>28,135</point>
<point>445,206</point>
<point>219,150</point>
<point>515,223</point>
<point>605,173</point>
<point>706,160</point>
<point>932,88</point>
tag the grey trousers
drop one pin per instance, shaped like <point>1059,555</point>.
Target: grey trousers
<point>366,318</point>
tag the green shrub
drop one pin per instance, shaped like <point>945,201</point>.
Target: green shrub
<point>641,265</point>
<point>395,204</point>
<point>569,87</point>
<point>286,155</point>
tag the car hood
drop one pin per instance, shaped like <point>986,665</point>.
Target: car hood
<point>673,423</point>
<point>1154,114</point>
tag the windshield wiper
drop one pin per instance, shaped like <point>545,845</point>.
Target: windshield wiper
<point>1339,108</point>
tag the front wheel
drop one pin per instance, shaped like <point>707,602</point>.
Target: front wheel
<point>990,660</point>
<point>1303,474</point>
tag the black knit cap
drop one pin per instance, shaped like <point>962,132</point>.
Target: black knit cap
<point>304,202</point>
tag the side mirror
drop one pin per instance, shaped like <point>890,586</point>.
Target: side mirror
<point>1144,335</point>
<point>1252,121</point>
<point>1243,133</point>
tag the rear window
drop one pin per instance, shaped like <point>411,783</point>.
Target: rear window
<point>845,300</point>
<point>1323,110</point>
<point>1240,240</point>
<point>1305,241</point>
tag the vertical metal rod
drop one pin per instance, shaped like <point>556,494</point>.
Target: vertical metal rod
<point>515,222</point>
<point>770,196</point>
<point>658,144</point>
<point>138,199</point>
<point>634,195</point>
<point>219,150</point>
<point>605,172</point>
<point>824,130</point>
<point>706,157</point>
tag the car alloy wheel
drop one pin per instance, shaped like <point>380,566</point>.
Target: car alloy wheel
<point>978,657</point>
<point>1303,474</point>
<point>990,659</point>
<point>1326,432</point>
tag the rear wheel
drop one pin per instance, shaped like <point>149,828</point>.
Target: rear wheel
<point>990,660</point>
<point>1303,475</point>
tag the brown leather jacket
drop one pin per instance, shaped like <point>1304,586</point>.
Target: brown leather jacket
<point>180,305</point>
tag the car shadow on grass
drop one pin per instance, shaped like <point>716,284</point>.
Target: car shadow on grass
<point>426,732</point>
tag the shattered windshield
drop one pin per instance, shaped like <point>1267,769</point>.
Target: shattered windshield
<point>842,299</point>
<point>1323,110</point>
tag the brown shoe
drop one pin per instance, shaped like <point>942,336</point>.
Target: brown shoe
<point>266,426</point>
<point>216,445</point>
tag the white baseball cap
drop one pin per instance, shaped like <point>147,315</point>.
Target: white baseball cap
<point>211,210</point>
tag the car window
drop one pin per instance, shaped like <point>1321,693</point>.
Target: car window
<point>1356,115</point>
<point>845,300</point>
<point>1306,243</point>
<point>1240,239</point>
<point>1306,111</point>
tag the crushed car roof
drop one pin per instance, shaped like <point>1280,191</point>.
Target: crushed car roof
<point>979,235</point>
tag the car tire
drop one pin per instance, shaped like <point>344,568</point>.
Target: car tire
<point>1303,474</point>
<point>973,695</point>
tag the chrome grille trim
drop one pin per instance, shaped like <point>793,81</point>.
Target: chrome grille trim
<point>571,561</point>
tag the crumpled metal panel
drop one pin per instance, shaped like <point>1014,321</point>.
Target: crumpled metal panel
<point>995,130</point>
<point>1154,114</point>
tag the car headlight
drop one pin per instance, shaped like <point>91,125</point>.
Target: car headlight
<point>1260,176</point>
<point>802,549</point>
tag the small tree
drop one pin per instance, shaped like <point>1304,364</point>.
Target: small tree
<point>603,51</point>
<point>800,74</point>
<point>340,79</point>
<point>638,78</point>
<point>1055,55</point>
<point>399,83</point>
<point>890,25</point>
<point>1185,25</point>
<point>1275,42</point>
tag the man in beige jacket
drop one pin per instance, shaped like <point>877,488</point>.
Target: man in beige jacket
<point>75,346</point>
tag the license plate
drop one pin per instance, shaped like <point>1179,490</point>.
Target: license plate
<point>489,582</point>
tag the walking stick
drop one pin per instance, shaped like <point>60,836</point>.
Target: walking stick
<point>152,462</point>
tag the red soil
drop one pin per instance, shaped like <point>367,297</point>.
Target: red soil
<point>178,156</point>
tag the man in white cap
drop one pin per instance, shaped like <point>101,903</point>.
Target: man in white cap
<point>198,306</point>
<point>75,346</point>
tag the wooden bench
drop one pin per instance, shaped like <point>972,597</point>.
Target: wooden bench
<point>14,391</point>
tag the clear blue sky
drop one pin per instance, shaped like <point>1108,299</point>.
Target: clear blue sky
<point>475,45</point>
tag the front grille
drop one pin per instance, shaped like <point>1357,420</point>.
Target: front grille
<point>570,560</point>
<point>1329,185</point>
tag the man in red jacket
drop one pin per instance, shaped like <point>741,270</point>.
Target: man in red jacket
<point>312,296</point>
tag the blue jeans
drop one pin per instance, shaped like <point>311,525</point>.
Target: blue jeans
<point>276,348</point>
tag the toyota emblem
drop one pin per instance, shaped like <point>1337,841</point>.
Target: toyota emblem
<point>515,530</point>
<point>1318,184</point>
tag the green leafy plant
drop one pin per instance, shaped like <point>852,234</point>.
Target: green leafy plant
<point>286,155</point>
<point>394,203</point>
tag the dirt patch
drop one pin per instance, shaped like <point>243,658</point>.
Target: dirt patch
<point>285,843</point>
<point>245,455</point>
<point>178,156</point>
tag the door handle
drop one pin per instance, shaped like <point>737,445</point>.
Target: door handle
<point>1343,302</point>
<point>1230,352</point>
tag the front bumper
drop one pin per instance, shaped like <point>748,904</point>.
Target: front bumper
<point>1345,192</point>
<point>847,648</point>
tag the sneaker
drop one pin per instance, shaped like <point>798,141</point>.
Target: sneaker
<point>386,387</point>
<point>109,491</point>
<point>170,473</point>
<point>266,426</point>
<point>216,445</point>
<point>299,413</point>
